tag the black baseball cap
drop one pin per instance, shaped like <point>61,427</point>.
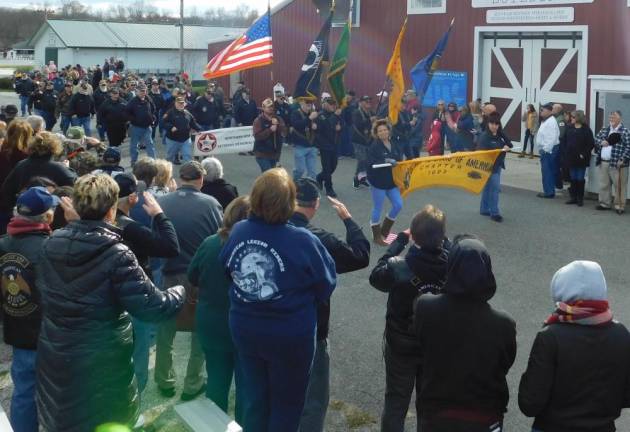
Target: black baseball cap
<point>111,155</point>
<point>11,109</point>
<point>307,190</point>
<point>127,184</point>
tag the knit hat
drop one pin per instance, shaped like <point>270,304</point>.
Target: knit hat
<point>75,133</point>
<point>111,156</point>
<point>579,280</point>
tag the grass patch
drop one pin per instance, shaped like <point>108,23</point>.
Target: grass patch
<point>355,417</point>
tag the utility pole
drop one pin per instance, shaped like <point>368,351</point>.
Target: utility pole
<point>181,36</point>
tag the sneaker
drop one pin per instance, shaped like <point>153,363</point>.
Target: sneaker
<point>167,392</point>
<point>191,396</point>
<point>497,218</point>
<point>364,182</point>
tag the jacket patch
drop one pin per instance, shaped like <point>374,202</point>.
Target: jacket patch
<point>17,295</point>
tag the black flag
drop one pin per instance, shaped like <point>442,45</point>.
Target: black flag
<point>308,84</point>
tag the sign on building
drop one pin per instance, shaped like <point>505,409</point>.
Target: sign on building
<point>450,86</point>
<point>512,3</point>
<point>533,15</point>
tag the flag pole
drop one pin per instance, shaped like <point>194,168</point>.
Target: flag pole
<point>271,36</point>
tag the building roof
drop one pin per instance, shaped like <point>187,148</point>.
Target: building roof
<point>100,34</point>
<point>22,45</point>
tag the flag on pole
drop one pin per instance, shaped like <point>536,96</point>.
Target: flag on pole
<point>253,49</point>
<point>339,63</point>
<point>396,78</point>
<point>422,73</point>
<point>309,82</point>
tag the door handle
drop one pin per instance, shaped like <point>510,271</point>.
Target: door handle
<point>526,93</point>
<point>535,94</point>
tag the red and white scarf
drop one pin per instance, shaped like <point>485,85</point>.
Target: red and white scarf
<point>583,312</point>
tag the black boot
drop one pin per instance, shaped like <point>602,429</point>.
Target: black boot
<point>580,184</point>
<point>573,192</point>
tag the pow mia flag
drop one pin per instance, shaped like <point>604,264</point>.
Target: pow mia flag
<point>308,84</point>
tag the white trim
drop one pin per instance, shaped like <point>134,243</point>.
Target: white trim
<point>420,10</point>
<point>356,23</point>
<point>606,84</point>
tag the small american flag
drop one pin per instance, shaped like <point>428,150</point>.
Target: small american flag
<point>251,50</point>
<point>390,238</point>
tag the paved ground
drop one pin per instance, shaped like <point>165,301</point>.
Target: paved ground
<point>537,237</point>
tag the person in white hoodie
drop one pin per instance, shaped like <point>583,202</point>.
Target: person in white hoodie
<point>548,141</point>
<point>578,375</point>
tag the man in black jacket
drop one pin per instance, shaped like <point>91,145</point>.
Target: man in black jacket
<point>352,255</point>
<point>20,299</point>
<point>44,102</point>
<point>159,104</point>
<point>141,115</point>
<point>422,270</point>
<point>82,108</point>
<point>100,95</point>
<point>24,86</point>
<point>179,124</point>
<point>327,137</point>
<point>206,110</point>
<point>361,138</point>
<point>466,346</point>
<point>112,115</point>
<point>246,111</point>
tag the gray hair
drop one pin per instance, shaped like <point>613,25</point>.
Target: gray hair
<point>38,219</point>
<point>213,167</point>
<point>36,122</point>
<point>618,113</point>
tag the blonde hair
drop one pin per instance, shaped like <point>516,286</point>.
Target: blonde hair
<point>164,173</point>
<point>18,134</point>
<point>235,212</point>
<point>45,144</point>
<point>379,123</point>
<point>94,195</point>
<point>273,196</point>
<point>475,107</point>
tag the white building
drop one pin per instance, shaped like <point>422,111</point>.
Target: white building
<point>150,48</point>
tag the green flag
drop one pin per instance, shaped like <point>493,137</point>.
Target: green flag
<point>338,67</point>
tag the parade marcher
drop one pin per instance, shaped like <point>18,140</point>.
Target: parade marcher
<point>328,125</point>
<point>558,112</point>
<point>141,115</point>
<point>246,111</point>
<point>382,108</point>
<point>212,315</point>
<point>159,103</point>
<point>64,111</point>
<point>530,120</point>
<point>45,103</point>
<point>206,111</point>
<point>195,216</point>
<point>215,185</point>
<point>279,273</point>
<point>13,150</point>
<point>467,392</point>
<point>24,86</point>
<point>21,297</point>
<point>77,340</point>
<point>82,108</point>
<point>401,132</point>
<point>577,375</point>
<point>383,152</point>
<point>613,150</point>
<point>113,116</point>
<point>416,136</point>
<point>303,138</point>
<point>361,138</point>
<point>101,94</point>
<point>268,131</point>
<point>579,146</point>
<point>97,76</point>
<point>493,138</point>
<point>283,109</point>
<point>179,123</point>
<point>351,105</point>
<point>548,143</point>
<point>422,270</point>
<point>350,255</point>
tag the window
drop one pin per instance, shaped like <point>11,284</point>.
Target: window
<point>426,6</point>
<point>341,13</point>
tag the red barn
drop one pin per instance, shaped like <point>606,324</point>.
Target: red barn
<point>514,52</point>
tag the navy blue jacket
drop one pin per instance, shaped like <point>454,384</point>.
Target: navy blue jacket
<point>246,113</point>
<point>141,113</point>
<point>183,121</point>
<point>381,178</point>
<point>326,135</point>
<point>82,105</point>
<point>487,141</point>
<point>206,112</point>
<point>302,134</point>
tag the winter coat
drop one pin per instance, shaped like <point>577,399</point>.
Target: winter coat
<point>268,144</point>
<point>245,112</point>
<point>112,113</point>
<point>327,137</point>
<point>302,134</point>
<point>7,163</point>
<point>382,178</point>
<point>99,97</point>
<point>577,378</point>
<point>45,101</point>
<point>92,284</point>
<point>221,190</point>
<point>141,113</point>
<point>465,124</point>
<point>183,121</point>
<point>82,105</point>
<point>206,112</point>
<point>580,144</point>
<point>63,104</point>
<point>24,87</point>
<point>361,127</point>
<point>487,141</point>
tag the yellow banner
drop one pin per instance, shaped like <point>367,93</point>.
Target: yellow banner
<point>465,170</point>
<point>395,74</point>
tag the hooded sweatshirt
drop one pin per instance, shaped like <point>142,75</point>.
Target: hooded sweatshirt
<point>467,346</point>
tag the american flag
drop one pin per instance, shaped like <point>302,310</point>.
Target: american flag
<point>251,50</point>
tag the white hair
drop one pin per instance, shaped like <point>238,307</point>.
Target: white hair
<point>36,122</point>
<point>213,167</point>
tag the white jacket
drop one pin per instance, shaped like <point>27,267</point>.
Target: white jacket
<point>548,135</point>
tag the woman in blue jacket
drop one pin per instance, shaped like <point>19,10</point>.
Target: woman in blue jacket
<point>279,272</point>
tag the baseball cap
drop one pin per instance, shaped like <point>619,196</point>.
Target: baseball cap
<point>111,155</point>
<point>547,106</point>
<point>180,99</point>
<point>307,190</point>
<point>35,201</point>
<point>366,98</point>
<point>191,171</point>
<point>126,182</point>
<point>75,132</point>
<point>11,109</point>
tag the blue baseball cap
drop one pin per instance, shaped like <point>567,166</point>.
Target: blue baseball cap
<point>36,201</point>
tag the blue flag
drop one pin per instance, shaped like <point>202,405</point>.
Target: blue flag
<point>422,72</point>
<point>309,82</point>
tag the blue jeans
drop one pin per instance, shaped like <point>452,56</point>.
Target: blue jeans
<point>577,174</point>
<point>266,164</point>
<point>490,196</point>
<point>48,118</point>
<point>378,197</point>
<point>23,407</point>
<point>548,167</point>
<point>305,161</point>
<point>24,105</point>
<point>101,131</point>
<point>65,123</point>
<point>136,136</point>
<point>84,122</point>
<point>174,147</point>
<point>318,394</point>
<point>142,340</point>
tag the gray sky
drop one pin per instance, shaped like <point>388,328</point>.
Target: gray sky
<point>170,5</point>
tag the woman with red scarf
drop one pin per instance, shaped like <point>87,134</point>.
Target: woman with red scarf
<point>578,376</point>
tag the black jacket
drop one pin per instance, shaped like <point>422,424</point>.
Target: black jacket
<point>92,284</point>
<point>579,145</point>
<point>99,97</point>
<point>158,101</point>
<point>20,294</point>
<point>82,105</point>
<point>406,278</point>
<point>382,178</point>
<point>63,104</point>
<point>487,141</point>
<point>349,256</point>
<point>112,113</point>
<point>467,347</point>
<point>45,101</point>
<point>223,191</point>
<point>206,112</point>
<point>361,127</point>
<point>24,87</point>
<point>302,134</point>
<point>245,113</point>
<point>183,121</point>
<point>326,135</point>
<point>577,378</point>
<point>141,113</point>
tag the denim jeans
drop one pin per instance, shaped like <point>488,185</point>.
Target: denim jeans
<point>490,196</point>
<point>136,136</point>
<point>101,131</point>
<point>174,147</point>
<point>65,123</point>
<point>266,164</point>
<point>378,197</point>
<point>84,122</point>
<point>24,105</point>
<point>577,174</point>
<point>23,407</point>
<point>529,137</point>
<point>305,161</point>
<point>318,393</point>
<point>142,335</point>
<point>548,169</point>
<point>49,118</point>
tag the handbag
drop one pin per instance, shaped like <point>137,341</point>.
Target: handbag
<point>185,320</point>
